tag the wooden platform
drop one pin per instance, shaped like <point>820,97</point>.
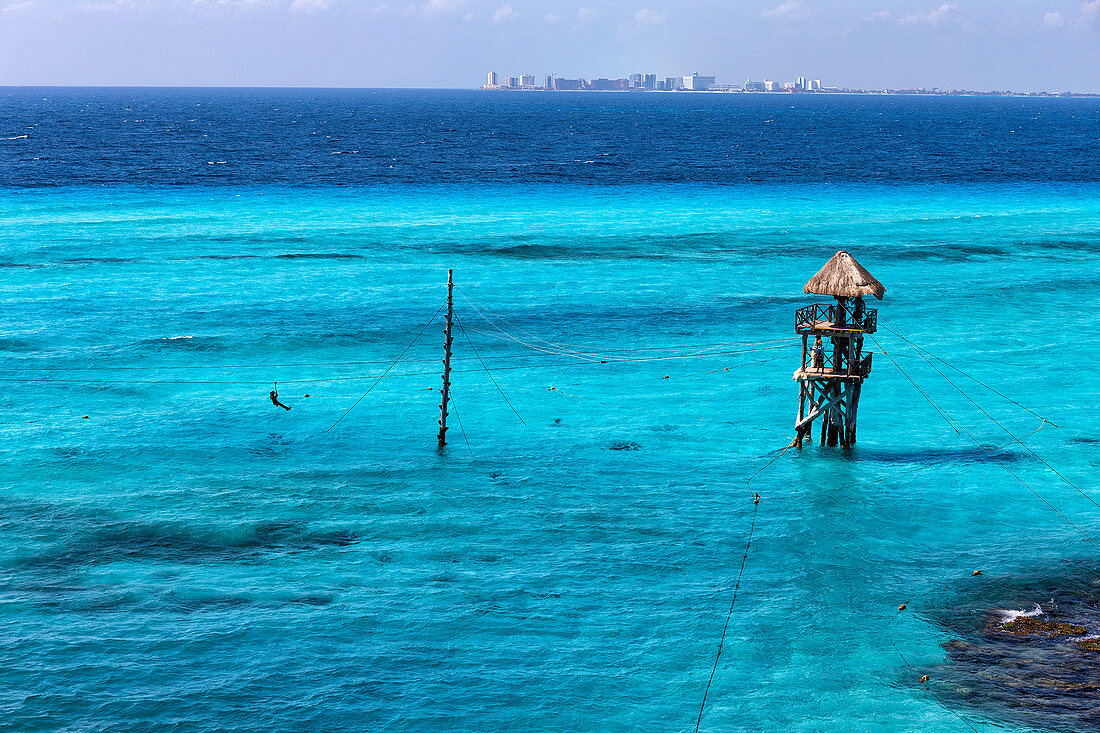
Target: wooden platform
<point>826,327</point>
<point>810,373</point>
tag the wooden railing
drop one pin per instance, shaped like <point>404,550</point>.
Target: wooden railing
<point>865,365</point>
<point>807,318</point>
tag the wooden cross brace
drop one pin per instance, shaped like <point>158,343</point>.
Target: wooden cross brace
<point>827,403</point>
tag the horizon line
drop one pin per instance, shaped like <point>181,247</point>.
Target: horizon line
<point>842,91</point>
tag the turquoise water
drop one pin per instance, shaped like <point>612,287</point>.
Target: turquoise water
<point>190,557</point>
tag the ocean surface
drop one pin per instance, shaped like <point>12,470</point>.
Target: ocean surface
<point>179,554</point>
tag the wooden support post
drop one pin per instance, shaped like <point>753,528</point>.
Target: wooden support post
<point>801,404</point>
<point>855,410</point>
<point>804,337</point>
<point>834,416</point>
<point>843,414</point>
<point>825,417</point>
<point>446,391</point>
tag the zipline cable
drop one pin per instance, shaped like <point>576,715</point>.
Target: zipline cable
<point>509,367</point>
<point>662,413</point>
<point>737,584</point>
<point>151,367</point>
<point>357,362</point>
<point>482,361</point>
<point>992,454</point>
<point>1028,448</point>
<point>460,428</point>
<point>391,366</point>
<point>968,376</point>
<point>693,348</point>
<point>912,381</point>
<point>604,358</point>
<point>729,614</point>
<point>563,350</point>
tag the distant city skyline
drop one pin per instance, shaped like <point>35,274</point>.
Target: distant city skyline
<point>696,82</point>
<point>1023,45</point>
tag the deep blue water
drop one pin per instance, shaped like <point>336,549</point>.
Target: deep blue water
<point>190,557</point>
<point>318,138</point>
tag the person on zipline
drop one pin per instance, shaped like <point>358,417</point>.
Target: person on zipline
<point>818,354</point>
<point>275,398</point>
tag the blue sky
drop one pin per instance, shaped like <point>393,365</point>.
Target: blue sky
<point>978,44</point>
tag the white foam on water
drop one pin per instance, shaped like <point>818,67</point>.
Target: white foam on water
<point>1008,616</point>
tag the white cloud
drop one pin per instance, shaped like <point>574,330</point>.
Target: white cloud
<point>312,7</point>
<point>106,7</point>
<point>504,14</point>
<point>551,19</point>
<point>1055,19</point>
<point>199,5</point>
<point>789,9</point>
<point>880,15</point>
<point>587,15</point>
<point>944,12</point>
<point>645,16</point>
<point>20,7</point>
<point>440,9</point>
<point>1090,12</point>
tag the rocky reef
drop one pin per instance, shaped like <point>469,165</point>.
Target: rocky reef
<point>1025,651</point>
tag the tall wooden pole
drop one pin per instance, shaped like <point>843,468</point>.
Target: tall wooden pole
<point>446,391</point>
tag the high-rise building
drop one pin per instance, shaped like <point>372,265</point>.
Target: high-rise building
<point>649,81</point>
<point>771,86</point>
<point>672,83</point>
<point>608,85</point>
<point>513,82</point>
<point>568,85</point>
<point>815,85</point>
<point>754,86</point>
<point>492,81</point>
<point>637,81</point>
<point>549,81</point>
<point>697,83</point>
<point>801,84</point>
<point>527,80</point>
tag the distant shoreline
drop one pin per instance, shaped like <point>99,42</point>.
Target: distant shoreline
<point>839,93</point>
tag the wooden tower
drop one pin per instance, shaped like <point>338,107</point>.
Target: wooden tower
<point>834,366</point>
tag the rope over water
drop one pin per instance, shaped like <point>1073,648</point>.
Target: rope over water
<point>391,366</point>
<point>736,585</point>
<point>483,366</point>
<point>729,614</point>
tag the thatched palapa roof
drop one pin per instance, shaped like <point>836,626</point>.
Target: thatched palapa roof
<point>843,277</point>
